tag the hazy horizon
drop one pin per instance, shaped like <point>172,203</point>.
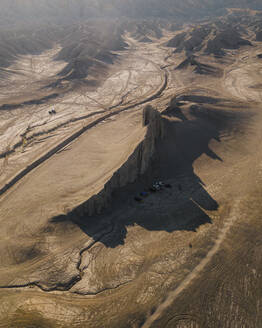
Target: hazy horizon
<point>14,12</point>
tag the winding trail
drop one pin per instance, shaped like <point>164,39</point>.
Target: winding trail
<point>77,134</point>
<point>197,270</point>
<point>234,215</point>
<point>67,285</point>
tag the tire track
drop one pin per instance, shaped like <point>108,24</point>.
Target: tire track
<point>77,134</point>
<point>196,271</point>
<point>66,286</point>
<point>37,134</point>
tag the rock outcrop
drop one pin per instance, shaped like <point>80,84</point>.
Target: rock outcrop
<point>136,165</point>
<point>199,68</point>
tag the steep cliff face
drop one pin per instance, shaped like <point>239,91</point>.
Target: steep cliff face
<point>136,165</point>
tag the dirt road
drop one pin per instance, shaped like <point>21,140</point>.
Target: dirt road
<point>187,256</point>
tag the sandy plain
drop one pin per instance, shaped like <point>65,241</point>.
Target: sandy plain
<point>181,258</point>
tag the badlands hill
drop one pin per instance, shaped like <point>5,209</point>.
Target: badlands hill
<point>60,11</point>
<point>130,164</point>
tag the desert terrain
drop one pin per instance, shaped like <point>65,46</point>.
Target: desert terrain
<point>85,239</point>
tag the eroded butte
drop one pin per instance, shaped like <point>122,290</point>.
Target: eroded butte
<point>85,241</point>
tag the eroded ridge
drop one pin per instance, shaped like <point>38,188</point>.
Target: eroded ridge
<point>136,201</point>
